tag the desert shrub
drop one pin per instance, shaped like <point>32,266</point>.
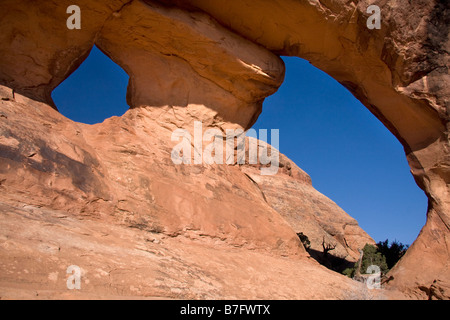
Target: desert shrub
<point>392,252</point>
<point>371,256</point>
<point>349,272</point>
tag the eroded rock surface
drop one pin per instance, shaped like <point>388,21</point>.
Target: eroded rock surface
<point>118,262</point>
<point>400,73</point>
<point>108,198</point>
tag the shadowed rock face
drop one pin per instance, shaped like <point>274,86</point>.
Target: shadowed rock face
<point>215,62</point>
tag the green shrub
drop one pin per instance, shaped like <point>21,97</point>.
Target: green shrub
<point>383,255</point>
<point>392,252</point>
<point>349,272</point>
<point>373,257</point>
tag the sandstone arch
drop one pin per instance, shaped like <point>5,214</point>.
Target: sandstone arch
<point>400,73</point>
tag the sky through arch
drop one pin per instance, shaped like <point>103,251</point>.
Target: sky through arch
<point>351,156</point>
<point>94,92</point>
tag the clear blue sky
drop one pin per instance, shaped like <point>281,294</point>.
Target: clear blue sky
<point>351,157</point>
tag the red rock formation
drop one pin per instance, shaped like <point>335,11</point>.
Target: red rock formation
<point>120,171</point>
<point>400,73</point>
<point>108,198</point>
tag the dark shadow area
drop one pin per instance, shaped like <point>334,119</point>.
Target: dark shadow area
<point>384,254</point>
<point>326,259</point>
<point>330,261</point>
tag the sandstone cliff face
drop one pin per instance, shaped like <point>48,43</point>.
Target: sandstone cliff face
<point>400,73</point>
<point>108,198</point>
<point>120,262</point>
<point>291,194</point>
<point>215,62</point>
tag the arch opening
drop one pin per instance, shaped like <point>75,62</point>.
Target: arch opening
<point>94,92</point>
<point>349,154</point>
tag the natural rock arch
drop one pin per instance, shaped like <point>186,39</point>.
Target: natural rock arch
<point>400,73</point>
